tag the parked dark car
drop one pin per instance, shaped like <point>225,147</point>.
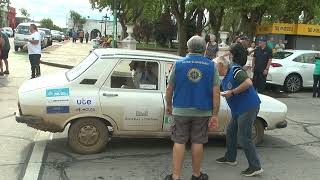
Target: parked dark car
<point>48,35</point>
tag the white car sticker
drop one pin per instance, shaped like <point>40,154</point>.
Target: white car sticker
<point>85,101</point>
<point>57,101</point>
<point>57,92</point>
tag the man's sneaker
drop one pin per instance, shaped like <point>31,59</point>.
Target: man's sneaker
<point>169,177</point>
<point>6,72</point>
<point>202,176</point>
<point>252,172</point>
<point>223,160</point>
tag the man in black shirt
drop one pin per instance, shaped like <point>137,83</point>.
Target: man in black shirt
<point>261,62</point>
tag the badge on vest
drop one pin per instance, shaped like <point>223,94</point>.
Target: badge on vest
<point>229,85</point>
<point>194,75</point>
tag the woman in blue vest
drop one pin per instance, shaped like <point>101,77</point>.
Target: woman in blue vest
<point>244,103</point>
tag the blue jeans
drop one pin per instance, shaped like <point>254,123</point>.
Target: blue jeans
<point>242,125</point>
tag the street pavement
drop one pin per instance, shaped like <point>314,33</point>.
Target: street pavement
<point>292,153</point>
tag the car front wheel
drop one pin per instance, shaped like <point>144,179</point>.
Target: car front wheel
<point>293,83</point>
<point>257,131</point>
<point>88,136</point>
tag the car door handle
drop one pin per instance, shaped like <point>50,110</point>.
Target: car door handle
<point>109,95</point>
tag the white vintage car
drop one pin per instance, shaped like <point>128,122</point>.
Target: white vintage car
<point>108,95</point>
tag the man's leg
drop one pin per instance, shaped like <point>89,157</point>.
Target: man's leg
<point>197,156</point>
<point>1,66</point>
<point>38,73</point>
<point>232,140</point>
<point>318,79</point>
<point>180,136</point>
<point>315,85</point>
<point>199,136</point>
<point>178,157</point>
<point>246,121</point>
<point>5,59</point>
<point>33,66</point>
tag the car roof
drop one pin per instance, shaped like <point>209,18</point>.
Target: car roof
<point>107,52</point>
<point>28,24</point>
<point>301,51</point>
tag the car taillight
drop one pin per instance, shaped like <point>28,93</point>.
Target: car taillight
<point>276,65</point>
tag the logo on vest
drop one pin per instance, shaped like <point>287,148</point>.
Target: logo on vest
<point>229,85</point>
<point>194,75</point>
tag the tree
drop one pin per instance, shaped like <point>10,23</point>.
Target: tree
<point>47,23</point>
<point>164,29</point>
<point>24,12</point>
<point>78,20</point>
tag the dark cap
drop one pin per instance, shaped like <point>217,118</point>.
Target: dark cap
<point>263,39</point>
<point>244,38</point>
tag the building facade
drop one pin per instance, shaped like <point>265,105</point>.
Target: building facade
<point>96,27</point>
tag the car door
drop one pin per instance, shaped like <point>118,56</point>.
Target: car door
<point>305,63</point>
<point>133,102</point>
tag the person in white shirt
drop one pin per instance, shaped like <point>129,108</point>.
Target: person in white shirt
<point>34,51</point>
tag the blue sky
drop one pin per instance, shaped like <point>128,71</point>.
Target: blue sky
<point>57,10</point>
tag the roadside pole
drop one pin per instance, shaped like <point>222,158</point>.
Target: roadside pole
<point>114,23</point>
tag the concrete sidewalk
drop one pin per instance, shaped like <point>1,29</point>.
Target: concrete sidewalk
<point>58,55</point>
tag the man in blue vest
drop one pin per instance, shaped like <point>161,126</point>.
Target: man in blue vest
<point>193,98</point>
<point>244,103</point>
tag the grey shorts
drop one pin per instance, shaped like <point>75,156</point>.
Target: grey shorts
<point>193,128</point>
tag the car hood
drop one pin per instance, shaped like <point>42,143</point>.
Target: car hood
<point>43,82</point>
<point>271,105</point>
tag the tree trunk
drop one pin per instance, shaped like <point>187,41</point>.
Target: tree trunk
<point>199,22</point>
<point>123,26</point>
<point>215,20</point>
<point>182,35</point>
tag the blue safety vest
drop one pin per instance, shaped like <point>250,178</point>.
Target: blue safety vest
<point>194,83</point>
<point>239,103</point>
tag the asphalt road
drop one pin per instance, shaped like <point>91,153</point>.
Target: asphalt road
<point>287,154</point>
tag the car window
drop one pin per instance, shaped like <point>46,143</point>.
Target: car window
<point>81,67</point>
<point>23,30</point>
<point>281,55</point>
<point>305,58</point>
<point>135,74</point>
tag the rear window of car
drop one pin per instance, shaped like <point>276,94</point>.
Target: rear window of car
<point>23,30</point>
<point>282,54</point>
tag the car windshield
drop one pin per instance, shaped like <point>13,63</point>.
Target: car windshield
<point>81,67</point>
<point>23,30</point>
<point>46,31</point>
<point>282,54</point>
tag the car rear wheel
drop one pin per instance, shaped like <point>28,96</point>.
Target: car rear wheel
<point>293,83</point>
<point>88,136</point>
<point>257,131</point>
<point>16,48</point>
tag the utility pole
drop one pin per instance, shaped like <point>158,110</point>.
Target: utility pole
<point>114,43</point>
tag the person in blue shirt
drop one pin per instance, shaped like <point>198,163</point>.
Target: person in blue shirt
<point>193,98</point>
<point>244,103</point>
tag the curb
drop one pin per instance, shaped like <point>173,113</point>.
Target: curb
<point>56,65</point>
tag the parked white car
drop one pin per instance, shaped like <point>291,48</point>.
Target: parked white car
<point>22,33</point>
<point>102,98</point>
<point>292,69</point>
<point>8,31</point>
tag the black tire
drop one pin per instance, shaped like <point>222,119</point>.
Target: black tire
<point>257,131</point>
<point>16,48</point>
<point>293,83</point>
<point>88,127</point>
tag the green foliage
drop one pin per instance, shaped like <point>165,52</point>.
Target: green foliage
<point>24,12</point>
<point>164,29</point>
<point>48,23</point>
<point>77,19</point>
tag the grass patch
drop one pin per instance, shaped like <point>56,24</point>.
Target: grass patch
<point>154,47</point>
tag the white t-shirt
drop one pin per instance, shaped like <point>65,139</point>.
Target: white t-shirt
<point>35,48</point>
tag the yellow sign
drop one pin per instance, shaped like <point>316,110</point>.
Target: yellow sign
<point>281,28</point>
<point>308,30</point>
<point>292,29</point>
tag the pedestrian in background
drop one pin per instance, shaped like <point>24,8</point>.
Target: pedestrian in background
<point>261,62</point>
<point>81,36</point>
<point>316,77</point>
<point>34,51</point>
<point>238,51</point>
<point>4,53</point>
<point>212,47</point>
<point>193,98</point>
<point>87,37</point>
<point>244,103</point>
<point>74,36</point>
<point>280,46</point>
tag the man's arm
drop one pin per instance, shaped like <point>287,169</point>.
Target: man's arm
<point>169,94</point>
<point>216,100</point>
<point>242,87</point>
